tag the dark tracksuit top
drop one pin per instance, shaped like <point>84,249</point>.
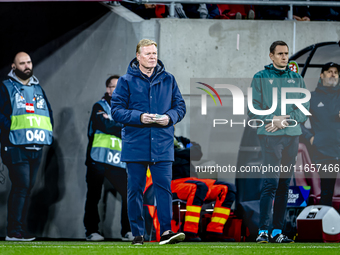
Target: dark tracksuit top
<point>263,83</point>
<point>325,121</point>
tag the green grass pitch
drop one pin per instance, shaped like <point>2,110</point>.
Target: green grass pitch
<point>112,248</point>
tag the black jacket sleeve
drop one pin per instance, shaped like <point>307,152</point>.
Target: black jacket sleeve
<point>5,108</point>
<point>105,125</point>
<point>306,133</point>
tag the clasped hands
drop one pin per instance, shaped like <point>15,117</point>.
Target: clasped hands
<point>278,122</point>
<point>148,118</point>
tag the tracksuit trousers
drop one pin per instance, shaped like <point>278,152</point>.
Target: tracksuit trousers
<point>277,151</point>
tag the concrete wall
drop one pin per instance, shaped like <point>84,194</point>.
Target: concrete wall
<point>74,74</point>
<point>208,48</point>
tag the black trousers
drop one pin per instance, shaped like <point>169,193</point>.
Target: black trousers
<point>327,179</point>
<point>95,179</point>
<point>23,166</point>
<point>277,151</point>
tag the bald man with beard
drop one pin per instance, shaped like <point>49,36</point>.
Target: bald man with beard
<point>26,126</point>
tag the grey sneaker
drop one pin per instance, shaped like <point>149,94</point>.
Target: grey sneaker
<point>94,237</point>
<point>128,237</point>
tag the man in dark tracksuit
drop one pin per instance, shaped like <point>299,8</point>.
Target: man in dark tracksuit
<point>323,129</point>
<point>26,126</point>
<point>149,103</point>
<point>103,160</point>
<point>195,191</point>
<point>279,138</point>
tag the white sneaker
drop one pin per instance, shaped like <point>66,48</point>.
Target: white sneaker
<point>128,237</point>
<point>20,238</point>
<point>95,237</point>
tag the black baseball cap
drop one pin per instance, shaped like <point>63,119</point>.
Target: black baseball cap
<point>329,65</point>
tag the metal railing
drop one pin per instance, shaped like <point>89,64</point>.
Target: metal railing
<point>243,2</point>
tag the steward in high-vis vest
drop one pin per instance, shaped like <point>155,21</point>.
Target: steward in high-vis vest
<point>103,160</point>
<point>106,146</point>
<point>26,126</point>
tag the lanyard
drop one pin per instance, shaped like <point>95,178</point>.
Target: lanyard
<point>22,96</point>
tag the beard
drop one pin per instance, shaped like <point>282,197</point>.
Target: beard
<point>22,75</point>
<point>332,81</point>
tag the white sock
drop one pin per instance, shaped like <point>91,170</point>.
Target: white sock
<point>166,232</point>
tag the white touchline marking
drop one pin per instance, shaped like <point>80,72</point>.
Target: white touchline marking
<point>172,247</point>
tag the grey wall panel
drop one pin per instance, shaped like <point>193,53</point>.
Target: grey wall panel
<point>194,48</point>
<point>73,77</point>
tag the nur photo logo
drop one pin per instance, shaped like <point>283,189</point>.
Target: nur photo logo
<point>286,93</point>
